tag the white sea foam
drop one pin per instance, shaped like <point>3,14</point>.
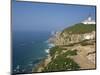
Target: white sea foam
<point>51,45</point>
<point>47,50</point>
<point>18,66</point>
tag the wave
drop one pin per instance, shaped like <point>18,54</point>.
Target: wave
<point>18,66</point>
<point>47,50</point>
<point>51,45</point>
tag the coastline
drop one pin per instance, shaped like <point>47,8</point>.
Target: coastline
<point>39,67</point>
<point>44,62</point>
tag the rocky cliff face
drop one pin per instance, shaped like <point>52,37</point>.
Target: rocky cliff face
<point>66,38</point>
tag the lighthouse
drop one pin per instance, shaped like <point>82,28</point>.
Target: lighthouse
<point>89,20</point>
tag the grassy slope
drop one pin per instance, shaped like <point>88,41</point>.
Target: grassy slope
<point>80,28</point>
<point>62,62</point>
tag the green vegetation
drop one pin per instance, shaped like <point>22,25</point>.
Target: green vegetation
<point>55,49</point>
<point>62,62</point>
<point>70,53</point>
<point>80,28</point>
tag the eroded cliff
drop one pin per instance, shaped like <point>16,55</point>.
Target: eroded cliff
<point>74,49</point>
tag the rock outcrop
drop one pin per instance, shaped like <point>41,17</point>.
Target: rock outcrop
<point>66,38</point>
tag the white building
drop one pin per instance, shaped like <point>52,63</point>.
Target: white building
<point>89,21</point>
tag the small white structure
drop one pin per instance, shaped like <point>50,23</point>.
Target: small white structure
<point>89,21</point>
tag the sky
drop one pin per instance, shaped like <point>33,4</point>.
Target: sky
<point>31,16</point>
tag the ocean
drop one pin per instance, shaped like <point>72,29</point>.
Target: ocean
<point>28,49</point>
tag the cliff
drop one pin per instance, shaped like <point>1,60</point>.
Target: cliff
<point>74,49</point>
<point>74,34</point>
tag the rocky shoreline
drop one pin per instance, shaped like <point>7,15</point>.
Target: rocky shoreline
<point>44,62</point>
<point>40,66</point>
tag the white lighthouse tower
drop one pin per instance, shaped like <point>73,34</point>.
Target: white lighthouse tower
<point>89,21</point>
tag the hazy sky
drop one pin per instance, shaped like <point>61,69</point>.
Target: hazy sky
<point>41,16</point>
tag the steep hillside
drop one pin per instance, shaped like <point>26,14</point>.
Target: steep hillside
<point>74,49</point>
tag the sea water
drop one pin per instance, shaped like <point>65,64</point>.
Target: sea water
<point>28,49</point>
